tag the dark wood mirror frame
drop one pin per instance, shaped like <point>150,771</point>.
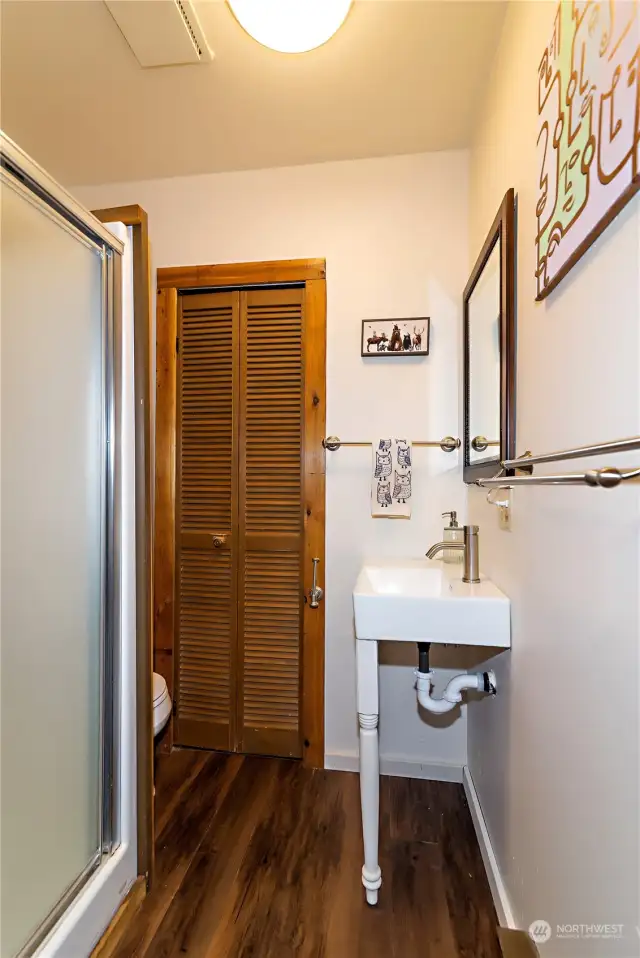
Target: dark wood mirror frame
<point>502,231</point>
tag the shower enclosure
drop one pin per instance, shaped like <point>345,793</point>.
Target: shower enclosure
<point>65,694</point>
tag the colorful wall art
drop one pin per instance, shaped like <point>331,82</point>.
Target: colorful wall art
<point>589,129</point>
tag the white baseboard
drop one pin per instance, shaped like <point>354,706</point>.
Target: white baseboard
<point>401,766</point>
<point>496,884</point>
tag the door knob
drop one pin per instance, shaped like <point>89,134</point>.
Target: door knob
<point>218,541</point>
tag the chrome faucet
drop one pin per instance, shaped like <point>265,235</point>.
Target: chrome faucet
<point>471,549</point>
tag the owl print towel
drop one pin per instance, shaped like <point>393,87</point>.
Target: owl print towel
<point>391,481</point>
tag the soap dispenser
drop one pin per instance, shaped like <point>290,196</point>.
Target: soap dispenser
<point>452,533</point>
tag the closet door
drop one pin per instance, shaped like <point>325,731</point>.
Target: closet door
<point>206,520</point>
<point>270,520</point>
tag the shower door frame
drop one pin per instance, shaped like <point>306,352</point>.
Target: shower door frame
<point>135,217</point>
<point>58,928</point>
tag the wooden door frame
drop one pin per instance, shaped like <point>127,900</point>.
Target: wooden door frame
<point>135,217</point>
<point>170,280</point>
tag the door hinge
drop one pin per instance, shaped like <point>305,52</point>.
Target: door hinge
<point>174,708</point>
<point>177,344</point>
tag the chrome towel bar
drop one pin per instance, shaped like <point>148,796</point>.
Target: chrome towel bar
<point>480,443</point>
<point>617,445</point>
<point>606,478</point>
<point>448,444</point>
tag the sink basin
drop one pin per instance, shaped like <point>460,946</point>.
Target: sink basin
<point>418,600</point>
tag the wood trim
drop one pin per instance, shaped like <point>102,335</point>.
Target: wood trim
<point>312,272</point>
<point>502,231</point>
<point>119,924</point>
<point>313,628</point>
<point>516,944</point>
<point>240,274</point>
<point>165,456</point>
<point>131,215</point>
<point>135,217</point>
<point>592,236</point>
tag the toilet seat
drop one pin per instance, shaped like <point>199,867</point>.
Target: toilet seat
<point>161,703</point>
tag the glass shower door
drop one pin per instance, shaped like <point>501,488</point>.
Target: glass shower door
<point>54,521</point>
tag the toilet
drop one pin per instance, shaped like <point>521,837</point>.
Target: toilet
<point>161,704</point>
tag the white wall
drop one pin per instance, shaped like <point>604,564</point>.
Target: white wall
<point>394,234</point>
<point>554,756</point>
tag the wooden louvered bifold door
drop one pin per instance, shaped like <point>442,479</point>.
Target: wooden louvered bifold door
<point>206,520</point>
<point>270,533</point>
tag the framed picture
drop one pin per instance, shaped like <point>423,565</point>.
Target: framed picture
<point>395,337</point>
<point>588,130</point>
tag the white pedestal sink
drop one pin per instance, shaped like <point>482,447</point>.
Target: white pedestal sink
<point>411,600</point>
<point>417,600</point>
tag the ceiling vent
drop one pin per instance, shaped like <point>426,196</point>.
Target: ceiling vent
<point>161,33</point>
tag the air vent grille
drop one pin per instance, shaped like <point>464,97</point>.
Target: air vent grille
<point>189,27</point>
<point>161,34</point>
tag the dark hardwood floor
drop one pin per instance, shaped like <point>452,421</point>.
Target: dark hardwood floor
<point>261,858</point>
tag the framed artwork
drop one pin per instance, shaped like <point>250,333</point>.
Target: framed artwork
<point>588,130</point>
<point>395,337</point>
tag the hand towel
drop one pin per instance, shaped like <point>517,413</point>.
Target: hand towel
<point>391,479</point>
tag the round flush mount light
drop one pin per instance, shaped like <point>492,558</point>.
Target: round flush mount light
<point>291,26</point>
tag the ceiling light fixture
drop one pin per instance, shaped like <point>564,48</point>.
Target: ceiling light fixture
<point>290,26</point>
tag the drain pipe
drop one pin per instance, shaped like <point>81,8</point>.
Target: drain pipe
<point>452,695</point>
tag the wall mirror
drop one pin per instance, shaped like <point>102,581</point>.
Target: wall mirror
<point>489,350</point>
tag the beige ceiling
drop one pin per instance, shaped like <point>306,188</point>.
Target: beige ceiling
<point>401,76</point>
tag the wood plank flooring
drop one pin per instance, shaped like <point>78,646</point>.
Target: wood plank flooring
<point>261,858</point>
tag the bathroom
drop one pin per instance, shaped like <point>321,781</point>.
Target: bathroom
<point>399,210</point>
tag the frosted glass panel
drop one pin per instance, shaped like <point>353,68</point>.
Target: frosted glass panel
<point>51,558</point>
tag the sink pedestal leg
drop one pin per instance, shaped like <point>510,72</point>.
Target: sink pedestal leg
<point>368,709</point>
